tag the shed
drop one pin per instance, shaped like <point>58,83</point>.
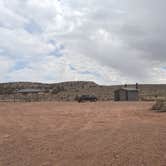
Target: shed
<point>27,91</point>
<point>126,94</point>
<point>28,95</point>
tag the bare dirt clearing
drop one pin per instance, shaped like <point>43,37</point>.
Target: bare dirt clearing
<point>86,134</point>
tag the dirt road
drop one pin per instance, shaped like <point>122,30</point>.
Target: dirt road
<point>86,134</point>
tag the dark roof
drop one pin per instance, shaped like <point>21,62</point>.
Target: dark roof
<point>127,89</point>
<point>29,91</point>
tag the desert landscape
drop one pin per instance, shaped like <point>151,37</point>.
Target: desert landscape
<point>82,83</point>
<point>67,91</point>
<point>86,134</point>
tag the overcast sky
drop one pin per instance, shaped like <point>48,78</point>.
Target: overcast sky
<point>109,42</point>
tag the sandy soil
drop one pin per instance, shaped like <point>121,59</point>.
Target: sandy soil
<point>86,134</point>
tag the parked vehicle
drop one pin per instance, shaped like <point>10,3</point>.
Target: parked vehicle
<point>84,98</point>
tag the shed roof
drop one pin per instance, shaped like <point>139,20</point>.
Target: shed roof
<point>128,89</point>
<point>29,91</point>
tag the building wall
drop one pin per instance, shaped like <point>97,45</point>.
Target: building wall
<point>123,95</point>
<point>133,96</point>
<point>116,96</point>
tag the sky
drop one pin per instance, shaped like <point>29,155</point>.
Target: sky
<point>109,42</point>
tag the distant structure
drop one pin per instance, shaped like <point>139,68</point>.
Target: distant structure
<point>28,94</point>
<point>28,91</point>
<point>127,94</point>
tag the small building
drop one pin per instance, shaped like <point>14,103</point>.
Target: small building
<point>126,94</point>
<point>29,91</point>
<point>28,95</point>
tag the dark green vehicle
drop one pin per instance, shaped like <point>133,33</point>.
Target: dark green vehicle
<point>84,98</point>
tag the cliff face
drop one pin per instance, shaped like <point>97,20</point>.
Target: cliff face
<point>67,91</point>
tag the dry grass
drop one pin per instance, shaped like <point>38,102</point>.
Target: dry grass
<point>86,134</point>
<point>159,106</point>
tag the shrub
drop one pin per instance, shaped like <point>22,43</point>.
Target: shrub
<point>58,89</point>
<point>159,106</point>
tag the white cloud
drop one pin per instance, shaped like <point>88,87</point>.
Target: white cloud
<point>6,65</point>
<point>20,43</point>
<point>111,41</point>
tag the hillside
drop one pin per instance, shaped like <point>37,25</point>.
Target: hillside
<point>67,91</point>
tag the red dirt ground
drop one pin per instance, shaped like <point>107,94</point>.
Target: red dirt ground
<point>86,134</point>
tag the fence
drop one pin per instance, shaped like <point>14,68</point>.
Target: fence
<point>35,97</point>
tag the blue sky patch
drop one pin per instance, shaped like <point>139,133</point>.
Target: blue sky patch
<point>56,52</point>
<point>53,42</point>
<point>20,65</point>
<point>33,27</point>
<point>90,73</point>
<point>72,67</point>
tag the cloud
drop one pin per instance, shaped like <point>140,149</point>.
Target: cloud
<point>107,41</point>
<point>6,65</point>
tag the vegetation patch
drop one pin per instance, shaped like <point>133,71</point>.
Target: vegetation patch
<point>159,106</point>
